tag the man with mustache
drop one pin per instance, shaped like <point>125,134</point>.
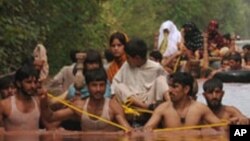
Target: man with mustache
<point>213,93</point>
<point>21,111</point>
<point>182,110</point>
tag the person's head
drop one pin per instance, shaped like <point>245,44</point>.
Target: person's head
<point>93,60</point>
<point>192,36</point>
<point>246,48</point>
<point>235,60</point>
<point>26,79</point>
<point>73,53</point>
<point>213,26</point>
<point>213,93</point>
<point>30,60</point>
<point>156,56</point>
<point>108,55</point>
<point>136,51</point>
<point>227,38</point>
<point>225,62</point>
<point>7,87</point>
<point>96,80</point>
<point>247,58</point>
<point>180,86</point>
<point>117,44</point>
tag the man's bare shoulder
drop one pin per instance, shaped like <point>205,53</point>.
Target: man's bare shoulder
<point>231,109</point>
<point>5,105</point>
<point>114,105</point>
<point>163,107</point>
<point>199,106</point>
<point>79,102</point>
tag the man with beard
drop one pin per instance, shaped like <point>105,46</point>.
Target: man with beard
<point>21,112</point>
<point>183,110</point>
<point>213,93</point>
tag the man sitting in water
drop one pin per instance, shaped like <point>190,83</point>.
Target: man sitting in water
<point>21,112</point>
<point>183,111</point>
<point>213,93</point>
<point>96,104</point>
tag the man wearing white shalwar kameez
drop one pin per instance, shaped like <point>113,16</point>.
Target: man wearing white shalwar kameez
<point>140,80</point>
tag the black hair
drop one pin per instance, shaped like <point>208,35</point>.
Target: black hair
<point>120,36</point>
<point>93,56</point>
<point>211,84</point>
<point>156,54</point>
<point>136,47</point>
<point>98,74</point>
<point>183,78</point>
<point>227,36</point>
<point>25,72</point>
<point>73,53</point>
<point>235,56</point>
<point>28,61</point>
<point>246,46</point>
<point>6,81</point>
<point>108,55</point>
<point>247,56</point>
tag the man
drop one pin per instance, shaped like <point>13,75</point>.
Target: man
<point>213,93</point>
<point>214,35</point>
<point>96,104</point>
<point>156,56</point>
<point>7,87</point>
<point>65,77</point>
<point>183,111</point>
<point>139,81</point>
<point>21,111</point>
<point>92,61</point>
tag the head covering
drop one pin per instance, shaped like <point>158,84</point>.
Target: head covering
<point>214,24</point>
<point>192,36</point>
<point>224,51</point>
<point>173,38</point>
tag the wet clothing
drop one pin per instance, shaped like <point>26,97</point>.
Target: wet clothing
<point>18,120</point>
<point>89,124</point>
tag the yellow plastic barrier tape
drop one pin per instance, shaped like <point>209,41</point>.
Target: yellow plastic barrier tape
<point>88,114</point>
<point>193,127</point>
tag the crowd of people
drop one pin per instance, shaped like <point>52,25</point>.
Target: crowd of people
<point>135,88</point>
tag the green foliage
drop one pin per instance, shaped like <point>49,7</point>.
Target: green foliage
<point>63,25</point>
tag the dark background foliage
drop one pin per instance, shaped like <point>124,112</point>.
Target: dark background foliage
<point>63,25</point>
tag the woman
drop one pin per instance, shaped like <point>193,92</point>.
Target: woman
<point>117,44</point>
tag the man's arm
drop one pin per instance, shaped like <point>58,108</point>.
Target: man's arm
<point>211,118</point>
<point>237,116</point>
<point>155,119</point>
<point>119,114</point>
<point>49,115</point>
<point>1,114</point>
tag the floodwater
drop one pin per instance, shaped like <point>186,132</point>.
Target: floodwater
<point>138,136</point>
<point>236,94</point>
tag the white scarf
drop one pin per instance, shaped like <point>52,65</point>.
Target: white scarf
<point>174,37</point>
